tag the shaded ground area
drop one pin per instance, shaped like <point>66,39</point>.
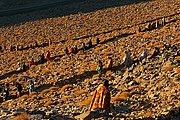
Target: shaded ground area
<point>58,9</point>
<point>9,4</point>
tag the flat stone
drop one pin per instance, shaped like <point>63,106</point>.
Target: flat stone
<point>20,110</point>
<point>87,115</point>
<point>36,117</point>
<point>132,83</point>
<point>48,113</point>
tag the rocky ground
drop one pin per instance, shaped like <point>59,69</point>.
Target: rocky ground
<point>64,86</point>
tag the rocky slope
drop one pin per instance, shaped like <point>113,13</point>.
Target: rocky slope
<point>64,86</point>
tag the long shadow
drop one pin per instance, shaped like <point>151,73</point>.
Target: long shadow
<point>85,75</point>
<point>59,9</point>
<point>76,78</point>
<point>127,109</point>
<point>173,114</point>
<point>49,117</point>
<point>137,24</point>
<point>33,47</point>
<point>36,46</point>
<point>116,38</point>
<point>109,40</point>
<point>62,82</point>
<point>9,74</point>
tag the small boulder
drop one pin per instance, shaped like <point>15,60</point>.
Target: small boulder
<point>87,115</point>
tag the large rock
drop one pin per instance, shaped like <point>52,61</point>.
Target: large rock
<point>36,117</point>
<point>87,115</point>
<point>133,82</point>
<point>20,110</point>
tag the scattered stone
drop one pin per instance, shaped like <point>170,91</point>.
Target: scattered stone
<point>154,83</point>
